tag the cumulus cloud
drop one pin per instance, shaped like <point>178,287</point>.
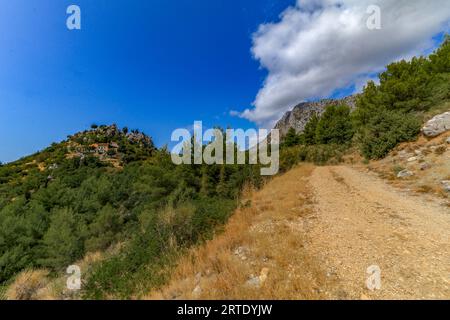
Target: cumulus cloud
<point>319,46</point>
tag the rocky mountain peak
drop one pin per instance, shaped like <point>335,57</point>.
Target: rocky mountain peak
<point>299,116</point>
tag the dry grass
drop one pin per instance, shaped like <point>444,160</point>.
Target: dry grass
<point>28,285</point>
<point>440,150</point>
<point>56,289</point>
<point>37,285</point>
<point>425,189</point>
<point>433,153</point>
<point>264,242</point>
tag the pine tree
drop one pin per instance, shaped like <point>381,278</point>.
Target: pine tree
<point>334,127</point>
<point>292,138</point>
<point>309,134</point>
<point>63,241</point>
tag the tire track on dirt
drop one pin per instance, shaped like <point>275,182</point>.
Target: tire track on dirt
<point>361,221</point>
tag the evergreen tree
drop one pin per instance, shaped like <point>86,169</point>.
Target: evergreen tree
<point>309,134</point>
<point>63,241</point>
<point>291,139</point>
<point>334,127</point>
<point>104,229</point>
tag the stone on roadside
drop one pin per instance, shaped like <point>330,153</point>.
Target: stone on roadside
<point>405,174</point>
<point>446,185</point>
<point>439,124</point>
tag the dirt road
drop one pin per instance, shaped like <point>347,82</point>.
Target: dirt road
<point>312,233</point>
<point>361,221</point>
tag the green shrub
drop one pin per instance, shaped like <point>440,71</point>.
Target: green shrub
<point>3,289</point>
<point>104,230</point>
<point>140,265</point>
<point>384,131</point>
<point>317,154</point>
<point>289,157</point>
<point>146,261</point>
<point>323,154</point>
<point>63,241</point>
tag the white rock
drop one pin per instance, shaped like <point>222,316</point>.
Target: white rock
<point>197,292</point>
<point>448,140</point>
<point>405,174</point>
<point>412,159</point>
<point>404,155</point>
<point>446,185</point>
<point>253,282</point>
<point>198,278</point>
<point>257,282</point>
<point>439,124</point>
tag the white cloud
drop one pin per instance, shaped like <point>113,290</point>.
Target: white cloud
<point>319,46</point>
<point>234,113</point>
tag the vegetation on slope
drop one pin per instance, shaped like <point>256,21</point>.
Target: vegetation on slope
<point>57,206</point>
<point>386,114</point>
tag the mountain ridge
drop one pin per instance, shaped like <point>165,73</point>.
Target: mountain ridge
<point>299,116</point>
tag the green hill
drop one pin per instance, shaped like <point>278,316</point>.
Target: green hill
<point>104,187</point>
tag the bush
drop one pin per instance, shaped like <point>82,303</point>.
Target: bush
<point>317,154</point>
<point>323,154</point>
<point>384,131</point>
<point>289,157</point>
<point>140,265</point>
<point>63,241</point>
<point>104,229</point>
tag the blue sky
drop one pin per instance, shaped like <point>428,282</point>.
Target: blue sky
<point>159,65</point>
<point>155,65</point>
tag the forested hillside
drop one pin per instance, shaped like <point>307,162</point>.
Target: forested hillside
<point>104,187</point>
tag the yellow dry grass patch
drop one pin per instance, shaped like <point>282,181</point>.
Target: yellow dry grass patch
<point>39,285</point>
<point>28,285</point>
<point>261,253</point>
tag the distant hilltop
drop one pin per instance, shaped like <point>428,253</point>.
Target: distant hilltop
<point>110,143</point>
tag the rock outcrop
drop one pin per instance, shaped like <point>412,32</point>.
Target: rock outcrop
<point>299,116</point>
<point>438,125</point>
